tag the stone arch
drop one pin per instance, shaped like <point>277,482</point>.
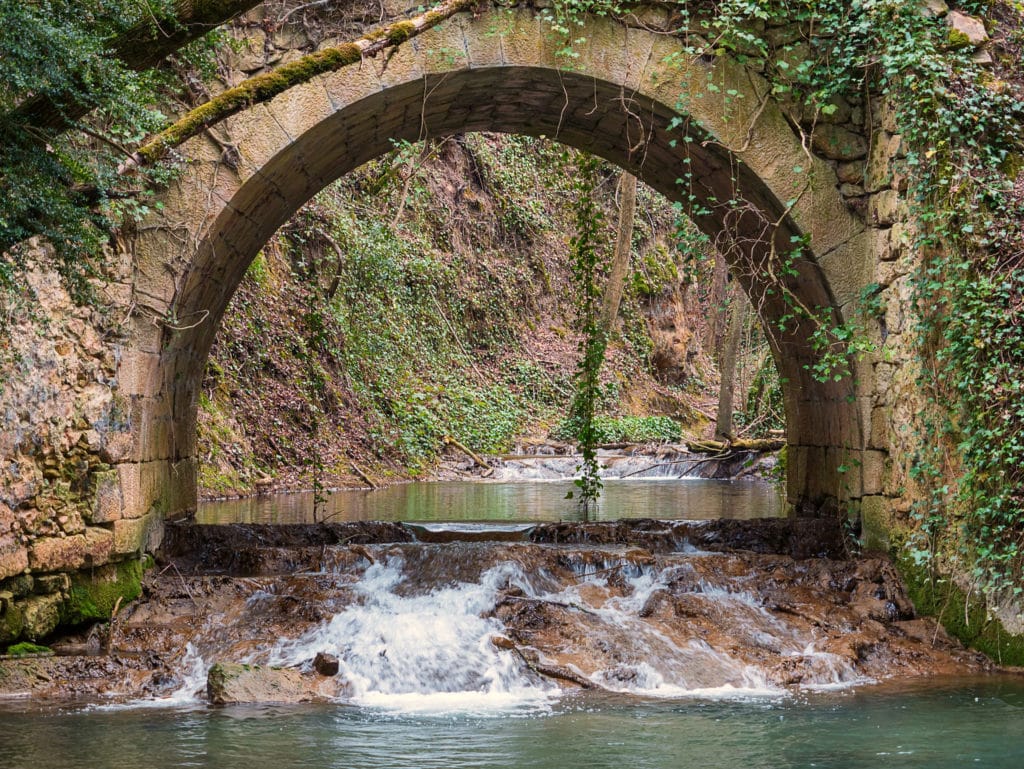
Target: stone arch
<point>630,96</point>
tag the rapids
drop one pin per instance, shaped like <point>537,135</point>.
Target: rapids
<point>710,609</point>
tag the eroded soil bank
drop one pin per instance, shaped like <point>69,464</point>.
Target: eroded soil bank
<point>644,607</point>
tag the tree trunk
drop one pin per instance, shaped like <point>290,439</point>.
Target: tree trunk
<point>623,247</point>
<point>727,364</point>
<point>716,301</point>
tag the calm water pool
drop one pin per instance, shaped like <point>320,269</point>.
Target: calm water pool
<point>933,724</point>
<point>513,501</point>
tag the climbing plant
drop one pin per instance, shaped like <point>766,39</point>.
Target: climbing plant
<point>585,256</point>
<point>959,126</point>
<point>958,123</point>
<point>58,72</point>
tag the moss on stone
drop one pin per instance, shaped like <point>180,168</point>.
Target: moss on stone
<point>25,649</point>
<point>12,622</point>
<point>94,594</point>
<point>964,617</point>
<point>400,32</point>
<point>958,39</point>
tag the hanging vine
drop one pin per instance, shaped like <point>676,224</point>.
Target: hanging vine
<point>586,263</point>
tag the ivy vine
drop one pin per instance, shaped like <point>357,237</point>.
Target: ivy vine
<point>959,175</point>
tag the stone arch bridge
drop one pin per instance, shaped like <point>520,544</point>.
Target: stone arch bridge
<point>630,96</point>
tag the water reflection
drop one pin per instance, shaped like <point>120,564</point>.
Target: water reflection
<point>690,499</point>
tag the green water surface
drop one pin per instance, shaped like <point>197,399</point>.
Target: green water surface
<point>933,724</point>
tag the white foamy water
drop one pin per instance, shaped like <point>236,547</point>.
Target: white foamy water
<point>404,649</point>
<point>423,653</point>
<point>189,692</point>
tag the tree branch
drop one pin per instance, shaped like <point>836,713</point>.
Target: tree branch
<point>264,87</point>
<point>141,47</point>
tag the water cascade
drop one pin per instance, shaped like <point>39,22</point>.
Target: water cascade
<point>641,608</point>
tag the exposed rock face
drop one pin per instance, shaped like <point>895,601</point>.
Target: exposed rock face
<point>966,30</point>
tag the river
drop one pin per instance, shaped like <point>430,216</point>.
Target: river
<point>940,724</point>
<point>704,639</point>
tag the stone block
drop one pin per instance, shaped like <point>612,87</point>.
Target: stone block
<point>873,471</point>
<point>838,143</point>
<point>849,268</point>
<point>12,619</point>
<point>20,586</point>
<point>51,583</point>
<point>181,493</point>
<point>138,372</point>
<point>117,446</point>
<point>69,553</point>
<point>41,615</point>
<point>13,555</point>
<point>881,424</point>
<point>851,172</point>
<point>884,207</point>
<point>108,505</point>
<point>137,535</point>
<point>875,522</point>
<point>13,559</point>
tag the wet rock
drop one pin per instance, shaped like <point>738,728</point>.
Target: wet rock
<point>326,664</point>
<point>796,537</point>
<point>230,683</point>
<point>242,549</point>
<point>616,614</point>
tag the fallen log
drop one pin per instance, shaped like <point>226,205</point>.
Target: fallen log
<point>740,444</point>
<point>477,459</point>
<point>365,478</point>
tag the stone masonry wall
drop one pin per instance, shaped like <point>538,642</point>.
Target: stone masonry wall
<point>80,500</point>
<point>64,428</point>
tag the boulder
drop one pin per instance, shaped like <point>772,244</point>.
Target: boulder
<point>326,664</point>
<point>966,30</point>
<point>230,683</point>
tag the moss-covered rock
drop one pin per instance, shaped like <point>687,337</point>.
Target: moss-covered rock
<point>12,620</point>
<point>94,594</point>
<point>42,615</point>
<point>26,649</point>
<point>964,617</point>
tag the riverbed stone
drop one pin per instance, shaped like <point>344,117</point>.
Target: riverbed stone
<point>230,683</point>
